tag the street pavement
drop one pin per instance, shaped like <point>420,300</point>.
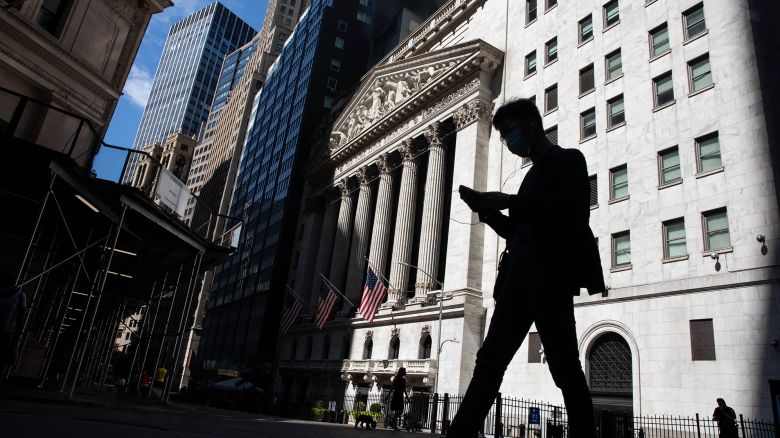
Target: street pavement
<point>52,416</point>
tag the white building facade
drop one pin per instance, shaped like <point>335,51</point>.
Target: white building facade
<point>665,100</point>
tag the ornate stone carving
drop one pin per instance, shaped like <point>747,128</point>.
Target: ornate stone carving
<point>434,135</point>
<point>369,335</point>
<point>343,187</point>
<point>383,163</point>
<point>407,150</point>
<point>363,176</point>
<point>470,113</point>
<point>395,332</point>
<point>426,330</point>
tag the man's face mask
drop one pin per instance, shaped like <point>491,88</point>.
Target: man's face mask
<point>517,144</point>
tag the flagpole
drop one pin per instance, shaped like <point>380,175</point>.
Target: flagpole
<point>378,274</point>
<point>335,289</point>
<point>298,297</point>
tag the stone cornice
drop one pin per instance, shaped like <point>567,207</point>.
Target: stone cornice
<point>470,113</point>
<point>442,22</point>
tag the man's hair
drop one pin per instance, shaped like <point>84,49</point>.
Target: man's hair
<point>522,109</point>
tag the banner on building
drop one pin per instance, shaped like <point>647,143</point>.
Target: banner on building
<point>172,192</point>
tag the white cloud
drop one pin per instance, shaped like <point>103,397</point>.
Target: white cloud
<point>138,85</point>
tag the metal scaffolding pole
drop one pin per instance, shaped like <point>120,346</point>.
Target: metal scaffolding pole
<point>35,228</point>
<point>111,341</point>
<point>151,331</point>
<point>52,349</point>
<point>141,332</point>
<point>86,309</point>
<point>93,357</point>
<point>180,332</point>
<point>167,323</point>
<point>102,284</point>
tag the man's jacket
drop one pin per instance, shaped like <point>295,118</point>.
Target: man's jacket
<point>556,203</point>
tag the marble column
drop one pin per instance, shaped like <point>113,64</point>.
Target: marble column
<point>338,264</point>
<point>380,237</point>
<point>325,247</point>
<point>433,209</point>
<point>404,224</point>
<point>360,235</point>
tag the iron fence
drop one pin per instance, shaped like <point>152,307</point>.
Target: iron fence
<point>520,418</point>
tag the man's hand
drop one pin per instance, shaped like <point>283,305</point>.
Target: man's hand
<point>480,201</point>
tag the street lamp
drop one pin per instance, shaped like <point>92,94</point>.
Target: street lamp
<point>441,305</point>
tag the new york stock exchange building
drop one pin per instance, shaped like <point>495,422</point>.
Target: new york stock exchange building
<point>664,98</point>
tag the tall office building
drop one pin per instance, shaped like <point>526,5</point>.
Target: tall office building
<point>323,59</point>
<point>186,77</point>
<point>674,105</point>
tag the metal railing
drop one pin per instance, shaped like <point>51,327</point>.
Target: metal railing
<point>514,417</point>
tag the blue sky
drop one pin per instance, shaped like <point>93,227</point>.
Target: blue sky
<point>127,116</point>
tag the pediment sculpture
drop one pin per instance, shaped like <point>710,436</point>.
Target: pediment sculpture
<point>382,96</point>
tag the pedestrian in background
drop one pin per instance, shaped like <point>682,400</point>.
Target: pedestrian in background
<point>726,418</point>
<point>397,397</point>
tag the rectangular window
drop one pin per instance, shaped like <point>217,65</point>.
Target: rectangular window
<point>659,40</point>
<point>594,190</point>
<point>534,348</point>
<point>613,65</point>
<point>328,103</point>
<point>335,64</point>
<point>342,26</point>
<point>552,134</point>
<point>364,17</point>
<point>693,20</point>
<point>588,124</point>
<point>530,8</point>
<point>699,73</point>
<point>663,90</point>
<point>550,3</point>
<point>339,43</point>
<point>587,81</point>
<point>530,63</point>
<point>586,29</point>
<point>674,239</point>
<point>53,15</point>
<point>621,249</point>
<point>669,166</point>
<point>716,229</point>
<point>551,50</point>
<point>708,153</point>
<point>702,339</point>
<point>618,181</point>
<point>332,82</point>
<point>616,114</point>
<point>366,3</point>
<point>611,13</point>
<point>551,98</point>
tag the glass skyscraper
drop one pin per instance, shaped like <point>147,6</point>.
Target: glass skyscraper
<point>186,78</point>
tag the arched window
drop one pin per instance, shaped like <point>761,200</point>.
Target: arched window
<point>178,166</point>
<point>610,373</point>
<point>326,347</point>
<point>395,348</point>
<point>368,348</point>
<point>425,347</point>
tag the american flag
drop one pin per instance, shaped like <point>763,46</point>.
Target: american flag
<point>325,303</point>
<point>292,308</point>
<point>373,293</point>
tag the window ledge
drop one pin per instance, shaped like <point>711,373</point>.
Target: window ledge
<point>551,8</point>
<point>594,206</point>
<point>661,55</point>
<point>585,42</point>
<point>675,259</point>
<point>666,105</point>
<point>591,91</point>
<point>709,172</point>
<point>587,139</point>
<point>708,87</point>
<point>616,200</point>
<point>550,111</point>
<point>613,79</point>
<point>610,26</point>
<point>619,125</point>
<point>529,75</point>
<point>710,252</point>
<point>531,22</point>
<point>696,37</point>
<point>670,184</point>
<point>621,268</point>
<point>649,2</point>
<point>551,62</point>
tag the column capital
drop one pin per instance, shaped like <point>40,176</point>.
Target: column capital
<point>363,176</point>
<point>434,135</point>
<point>383,164</point>
<point>407,150</point>
<point>470,112</point>
<point>343,187</point>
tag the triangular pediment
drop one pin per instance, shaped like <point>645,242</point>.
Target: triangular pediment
<point>391,92</point>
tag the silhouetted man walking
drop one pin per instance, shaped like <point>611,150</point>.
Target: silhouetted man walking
<point>550,254</point>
